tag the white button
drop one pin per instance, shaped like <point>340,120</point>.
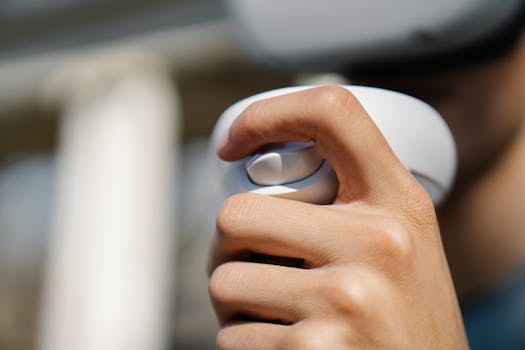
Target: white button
<point>291,163</point>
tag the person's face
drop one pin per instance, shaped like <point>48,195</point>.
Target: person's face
<point>483,104</point>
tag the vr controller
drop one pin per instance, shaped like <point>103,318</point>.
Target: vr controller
<point>414,130</point>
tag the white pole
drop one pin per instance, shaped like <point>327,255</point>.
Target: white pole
<point>111,265</point>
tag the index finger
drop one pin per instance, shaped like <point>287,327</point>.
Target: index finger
<point>334,119</point>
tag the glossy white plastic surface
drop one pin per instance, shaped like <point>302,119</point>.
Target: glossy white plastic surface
<point>294,162</point>
<point>414,130</point>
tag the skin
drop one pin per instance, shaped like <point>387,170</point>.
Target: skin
<point>375,273</point>
<point>482,222</point>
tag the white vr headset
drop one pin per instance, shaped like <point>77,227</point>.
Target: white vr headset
<point>332,33</point>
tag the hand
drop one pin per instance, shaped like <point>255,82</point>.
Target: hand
<point>374,275</point>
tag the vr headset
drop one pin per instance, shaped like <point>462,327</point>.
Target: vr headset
<point>340,34</point>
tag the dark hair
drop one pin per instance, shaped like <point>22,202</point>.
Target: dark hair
<point>491,47</point>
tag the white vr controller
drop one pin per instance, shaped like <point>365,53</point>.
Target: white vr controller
<point>414,130</point>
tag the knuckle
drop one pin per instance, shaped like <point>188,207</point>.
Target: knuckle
<point>247,123</point>
<point>219,281</point>
<point>223,340</point>
<point>231,215</point>
<point>394,241</point>
<point>333,98</point>
<point>302,339</point>
<point>339,104</point>
<point>346,292</point>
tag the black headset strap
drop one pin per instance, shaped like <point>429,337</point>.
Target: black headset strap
<point>494,45</point>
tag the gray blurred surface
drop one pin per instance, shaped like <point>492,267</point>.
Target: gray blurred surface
<point>199,199</point>
<point>26,202</point>
<point>27,142</point>
<point>30,26</point>
<point>26,196</point>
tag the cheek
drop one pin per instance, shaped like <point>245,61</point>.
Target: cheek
<point>466,121</point>
<point>509,100</point>
<point>483,110</point>
<point>512,88</point>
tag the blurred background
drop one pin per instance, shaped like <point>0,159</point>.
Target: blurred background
<point>108,194</point>
<point>61,61</point>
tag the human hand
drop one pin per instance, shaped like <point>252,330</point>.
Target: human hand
<point>374,275</point>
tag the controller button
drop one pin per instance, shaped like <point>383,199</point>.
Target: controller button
<point>292,163</point>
